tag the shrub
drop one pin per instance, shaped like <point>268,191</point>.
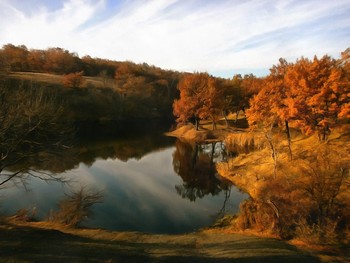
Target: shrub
<point>76,207</point>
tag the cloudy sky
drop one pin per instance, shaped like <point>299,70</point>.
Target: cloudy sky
<point>222,37</point>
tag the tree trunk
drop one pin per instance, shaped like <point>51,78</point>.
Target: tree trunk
<point>237,113</point>
<point>289,140</point>
<point>212,152</point>
<point>195,155</point>
<point>214,125</point>
<point>268,135</point>
<point>196,120</point>
<point>225,117</point>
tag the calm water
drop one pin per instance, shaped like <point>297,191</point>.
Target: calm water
<point>150,183</point>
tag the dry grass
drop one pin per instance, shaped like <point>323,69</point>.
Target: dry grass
<point>43,242</point>
<point>288,204</point>
<point>205,133</point>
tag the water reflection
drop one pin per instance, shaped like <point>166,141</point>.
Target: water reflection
<point>194,163</point>
<point>149,183</point>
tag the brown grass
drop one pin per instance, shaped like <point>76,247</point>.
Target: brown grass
<point>97,82</point>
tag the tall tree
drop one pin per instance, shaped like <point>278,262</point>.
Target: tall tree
<point>213,101</point>
<point>262,115</point>
<point>278,97</point>
<point>190,104</point>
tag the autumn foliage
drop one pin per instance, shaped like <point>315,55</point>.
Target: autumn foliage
<point>204,97</point>
<point>73,80</point>
<point>312,95</point>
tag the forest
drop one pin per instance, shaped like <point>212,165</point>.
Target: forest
<point>292,158</point>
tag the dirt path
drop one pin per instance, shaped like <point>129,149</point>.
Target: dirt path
<point>32,244</point>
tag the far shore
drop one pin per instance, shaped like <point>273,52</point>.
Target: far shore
<point>204,134</point>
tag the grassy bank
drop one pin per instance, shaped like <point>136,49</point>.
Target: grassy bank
<point>306,201</point>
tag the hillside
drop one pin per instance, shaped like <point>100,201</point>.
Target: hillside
<point>101,99</point>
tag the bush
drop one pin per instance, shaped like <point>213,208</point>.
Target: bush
<point>76,207</point>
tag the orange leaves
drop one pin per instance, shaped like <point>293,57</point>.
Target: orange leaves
<point>73,80</point>
<point>345,111</point>
<point>312,94</point>
<point>200,97</point>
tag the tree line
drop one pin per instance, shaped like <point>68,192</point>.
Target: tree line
<point>312,95</point>
<point>52,60</point>
<point>130,90</point>
<point>204,97</point>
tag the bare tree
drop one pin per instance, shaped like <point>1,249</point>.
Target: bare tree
<point>76,207</point>
<point>30,122</point>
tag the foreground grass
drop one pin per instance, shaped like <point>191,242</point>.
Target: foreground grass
<point>40,242</point>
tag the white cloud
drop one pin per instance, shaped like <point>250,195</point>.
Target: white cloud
<point>46,28</point>
<point>186,35</point>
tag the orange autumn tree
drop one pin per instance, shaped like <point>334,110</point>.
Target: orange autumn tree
<point>189,106</point>
<point>268,109</point>
<point>73,80</point>
<point>201,98</point>
<point>278,97</point>
<point>261,116</point>
<point>213,101</point>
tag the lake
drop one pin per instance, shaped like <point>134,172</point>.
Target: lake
<point>149,182</point>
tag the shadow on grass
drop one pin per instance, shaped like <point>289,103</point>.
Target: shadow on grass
<point>27,244</point>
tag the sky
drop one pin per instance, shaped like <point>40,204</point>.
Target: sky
<point>221,37</point>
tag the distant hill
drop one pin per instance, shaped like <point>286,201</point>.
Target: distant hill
<point>110,90</point>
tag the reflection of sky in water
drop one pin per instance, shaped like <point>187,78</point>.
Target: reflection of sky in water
<point>138,196</point>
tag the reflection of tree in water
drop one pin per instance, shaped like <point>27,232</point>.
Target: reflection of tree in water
<point>194,164</point>
<point>123,148</point>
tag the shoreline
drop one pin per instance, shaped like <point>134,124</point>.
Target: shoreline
<point>54,243</point>
<point>189,134</point>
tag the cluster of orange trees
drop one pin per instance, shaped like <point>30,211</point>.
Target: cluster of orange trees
<point>52,60</point>
<point>313,95</point>
<point>306,196</point>
<point>204,97</point>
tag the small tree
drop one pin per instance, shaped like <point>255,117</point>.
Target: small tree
<point>73,80</point>
<point>76,207</point>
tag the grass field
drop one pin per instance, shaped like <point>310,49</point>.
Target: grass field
<point>97,82</point>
